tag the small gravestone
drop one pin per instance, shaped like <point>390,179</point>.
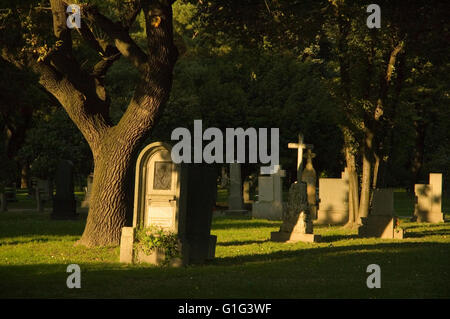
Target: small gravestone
<point>11,193</point>
<point>428,207</point>
<point>246,192</point>
<point>224,180</point>
<point>3,202</point>
<point>270,196</point>
<point>381,222</point>
<point>235,198</point>
<point>333,200</point>
<point>297,223</point>
<point>177,198</point>
<point>42,188</point>
<point>64,203</point>
<point>87,197</point>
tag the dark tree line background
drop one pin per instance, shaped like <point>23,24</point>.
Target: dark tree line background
<point>376,100</point>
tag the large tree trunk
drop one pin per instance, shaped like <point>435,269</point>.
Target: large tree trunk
<point>353,194</point>
<point>417,156</point>
<point>366,175</point>
<point>110,201</point>
<point>376,169</point>
<point>83,95</point>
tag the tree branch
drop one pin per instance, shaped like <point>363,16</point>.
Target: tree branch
<point>122,40</point>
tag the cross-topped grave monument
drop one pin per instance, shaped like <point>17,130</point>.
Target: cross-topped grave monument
<point>297,224</point>
<point>309,176</point>
<point>300,146</point>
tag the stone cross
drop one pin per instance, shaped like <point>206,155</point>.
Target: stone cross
<point>300,146</point>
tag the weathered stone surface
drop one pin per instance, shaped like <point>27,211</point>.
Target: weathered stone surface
<point>383,202</point>
<point>381,222</point>
<point>42,192</point>
<point>126,245</point>
<point>270,197</point>
<point>297,224</point>
<point>235,198</point>
<point>333,197</point>
<point>428,207</point>
<point>309,176</point>
<point>380,226</point>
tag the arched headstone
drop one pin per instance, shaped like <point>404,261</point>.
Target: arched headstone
<point>178,198</point>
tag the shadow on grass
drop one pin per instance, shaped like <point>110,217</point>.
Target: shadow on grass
<point>333,238</point>
<point>426,233</point>
<point>25,241</point>
<point>243,242</point>
<point>318,251</point>
<point>410,270</point>
<point>40,225</point>
<point>243,223</point>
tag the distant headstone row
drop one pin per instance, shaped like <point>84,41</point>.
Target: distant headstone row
<point>332,205</point>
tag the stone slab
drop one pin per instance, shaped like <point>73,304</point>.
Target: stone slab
<point>126,245</point>
<point>380,226</point>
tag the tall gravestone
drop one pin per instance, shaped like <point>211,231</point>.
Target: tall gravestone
<point>3,202</point>
<point>270,196</point>
<point>43,193</point>
<point>309,176</point>
<point>333,200</point>
<point>235,194</point>
<point>224,180</point>
<point>178,198</point>
<point>297,223</point>
<point>428,206</point>
<point>64,203</point>
<point>381,222</point>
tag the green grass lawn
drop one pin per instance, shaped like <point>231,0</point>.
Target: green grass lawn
<point>35,252</point>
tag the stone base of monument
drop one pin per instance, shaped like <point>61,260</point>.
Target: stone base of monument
<point>64,209</point>
<point>380,227</point>
<point>201,248</point>
<point>429,217</point>
<point>294,237</point>
<point>157,257</point>
<point>194,250</point>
